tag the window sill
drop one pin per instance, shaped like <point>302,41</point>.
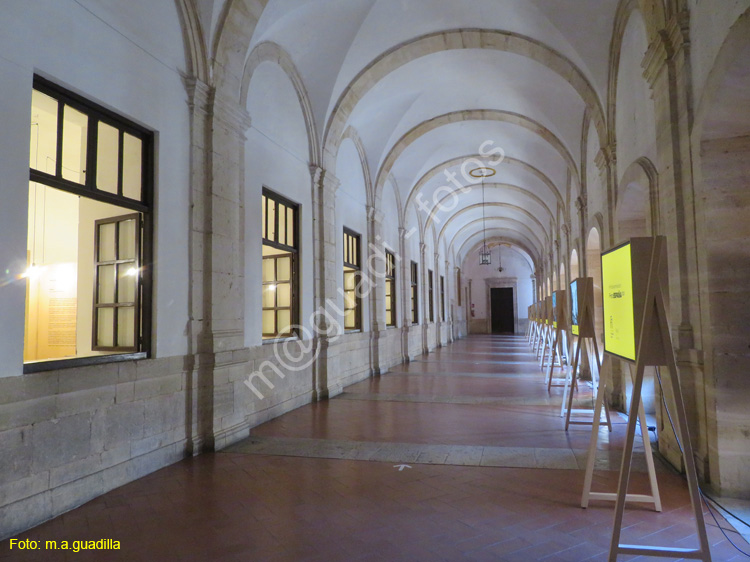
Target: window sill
<point>55,364</point>
<point>280,340</point>
<point>358,331</point>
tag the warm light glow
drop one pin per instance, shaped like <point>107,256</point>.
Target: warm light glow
<point>272,287</point>
<point>132,272</point>
<point>32,272</point>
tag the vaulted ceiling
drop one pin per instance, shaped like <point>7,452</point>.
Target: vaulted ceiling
<point>425,85</point>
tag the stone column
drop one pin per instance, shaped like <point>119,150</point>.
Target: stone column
<point>374,270</point>
<point>606,162</point>
<point>583,220</point>
<point>667,70</point>
<point>425,296</point>
<point>436,286</point>
<point>328,320</point>
<point>405,277</point>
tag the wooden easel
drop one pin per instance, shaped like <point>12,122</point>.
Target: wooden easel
<point>536,336</point>
<point>655,349</point>
<point>559,325</point>
<point>586,332</point>
<point>546,330</point>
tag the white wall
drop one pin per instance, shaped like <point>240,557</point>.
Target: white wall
<point>276,155</point>
<point>131,65</point>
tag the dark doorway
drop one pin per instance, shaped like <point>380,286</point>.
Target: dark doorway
<point>503,320</point>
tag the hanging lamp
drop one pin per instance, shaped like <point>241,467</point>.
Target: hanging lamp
<point>485,256</point>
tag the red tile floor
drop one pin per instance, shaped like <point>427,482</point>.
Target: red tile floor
<point>311,501</point>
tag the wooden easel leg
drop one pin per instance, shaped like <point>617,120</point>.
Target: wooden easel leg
<point>551,366</point>
<point>600,382</point>
<point>591,456</point>
<point>627,457</point>
<point>568,394</point>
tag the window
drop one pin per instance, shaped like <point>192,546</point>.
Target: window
<point>442,298</point>
<point>414,294</point>
<point>89,236</point>
<point>431,295</point>
<point>352,267</point>
<point>390,289</point>
<point>280,263</point>
<point>458,286</point>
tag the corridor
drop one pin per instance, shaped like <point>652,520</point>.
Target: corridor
<point>458,455</point>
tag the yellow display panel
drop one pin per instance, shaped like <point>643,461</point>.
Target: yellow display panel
<point>554,309</point>
<point>574,307</point>
<point>617,289</point>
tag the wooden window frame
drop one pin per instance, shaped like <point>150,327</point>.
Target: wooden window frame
<point>143,207</point>
<point>291,251</point>
<point>442,298</point>
<point>431,294</point>
<point>414,293</point>
<point>390,288</point>
<point>352,265</point>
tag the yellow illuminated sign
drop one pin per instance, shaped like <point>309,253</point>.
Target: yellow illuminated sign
<point>554,309</point>
<point>617,289</point>
<point>574,307</point>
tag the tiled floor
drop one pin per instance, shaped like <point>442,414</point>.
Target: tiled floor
<point>491,475</point>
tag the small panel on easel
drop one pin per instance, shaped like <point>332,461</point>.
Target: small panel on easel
<point>581,297</point>
<point>625,270</point>
<point>559,310</point>
<point>548,310</point>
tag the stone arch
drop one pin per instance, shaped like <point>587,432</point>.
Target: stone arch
<point>231,42</point>
<point>352,134</point>
<point>439,204</point>
<point>507,161</point>
<point>637,201</point>
<point>195,43</point>
<point>721,157</point>
<point>268,51</point>
<point>575,271</point>
<point>469,115</point>
<point>535,243</point>
<point>493,204</point>
<point>512,240</point>
<point>503,41</point>
<point>594,270</point>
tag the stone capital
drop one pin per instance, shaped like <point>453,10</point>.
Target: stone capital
<point>199,94</point>
<point>232,115</point>
<point>375,215</point>
<point>422,249</point>
<point>606,157</point>
<point>324,180</point>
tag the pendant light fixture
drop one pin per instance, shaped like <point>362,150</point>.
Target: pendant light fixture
<point>485,256</point>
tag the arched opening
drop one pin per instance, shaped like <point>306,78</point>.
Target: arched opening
<point>631,217</point>
<point>722,157</point>
<point>574,267</point>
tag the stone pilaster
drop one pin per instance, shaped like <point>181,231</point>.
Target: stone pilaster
<point>436,297</point>
<point>329,326</point>
<point>405,294</point>
<point>375,271</point>
<point>425,296</point>
<point>606,163</point>
<point>667,70</point>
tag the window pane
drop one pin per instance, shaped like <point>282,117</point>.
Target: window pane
<point>269,326</point>
<point>282,224</point>
<point>290,227</point>
<point>272,219</point>
<point>106,293</point>
<point>43,146</point>
<point>107,242</point>
<point>284,269</point>
<point>107,150</point>
<point>349,319</point>
<point>349,280</point>
<point>269,296</point>
<point>264,202</point>
<point>388,318</point>
<point>126,326</point>
<point>132,167</point>
<point>127,279</point>
<point>284,322</point>
<point>388,302</point>
<point>127,240</point>
<point>268,270</point>
<point>284,295</point>
<point>75,129</point>
<point>105,329</point>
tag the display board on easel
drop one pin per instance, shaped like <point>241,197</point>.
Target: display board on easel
<point>557,335</point>
<point>546,329</point>
<point>582,327</point>
<point>636,324</point>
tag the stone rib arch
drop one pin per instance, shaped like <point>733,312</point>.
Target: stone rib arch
<point>231,42</point>
<point>401,206</point>
<point>352,134</point>
<point>493,204</point>
<point>503,41</point>
<point>509,236</point>
<point>507,161</point>
<point>436,208</point>
<point>531,236</point>
<point>462,116</point>
<point>643,171</point>
<point>195,43</point>
<point>268,51</point>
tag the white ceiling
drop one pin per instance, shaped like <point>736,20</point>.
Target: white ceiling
<point>332,42</point>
